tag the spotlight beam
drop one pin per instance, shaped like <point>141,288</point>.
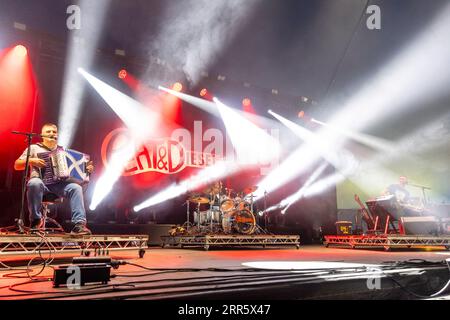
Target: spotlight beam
<point>365,139</point>
<point>252,141</point>
<point>141,123</point>
<point>290,200</point>
<point>203,104</point>
<point>81,51</point>
<point>304,157</point>
<point>211,107</point>
<point>253,145</point>
<point>204,177</point>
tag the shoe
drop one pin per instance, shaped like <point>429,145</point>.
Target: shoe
<point>80,229</point>
<point>36,225</point>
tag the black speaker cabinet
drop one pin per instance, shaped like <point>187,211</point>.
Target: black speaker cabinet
<point>427,225</point>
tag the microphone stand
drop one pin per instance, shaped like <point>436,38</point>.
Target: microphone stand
<point>423,191</point>
<point>20,221</point>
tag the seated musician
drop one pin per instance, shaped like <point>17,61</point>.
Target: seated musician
<point>403,198</point>
<point>36,188</point>
<point>399,190</point>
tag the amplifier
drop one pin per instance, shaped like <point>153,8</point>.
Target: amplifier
<point>427,225</point>
<point>344,228</point>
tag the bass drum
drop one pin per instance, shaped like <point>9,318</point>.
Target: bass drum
<point>240,221</point>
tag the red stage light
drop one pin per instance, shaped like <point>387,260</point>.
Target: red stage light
<point>177,87</point>
<point>301,114</point>
<point>20,50</point>
<point>122,74</point>
<point>247,103</point>
<point>203,92</point>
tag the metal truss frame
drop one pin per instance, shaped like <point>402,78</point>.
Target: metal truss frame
<point>14,244</point>
<point>388,241</point>
<point>206,241</point>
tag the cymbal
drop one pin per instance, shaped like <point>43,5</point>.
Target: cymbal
<point>250,189</point>
<point>198,199</point>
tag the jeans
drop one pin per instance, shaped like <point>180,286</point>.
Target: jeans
<point>74,192</point>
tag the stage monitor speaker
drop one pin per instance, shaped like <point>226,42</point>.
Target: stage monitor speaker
<point>344,228</point>
<point>427,225</point>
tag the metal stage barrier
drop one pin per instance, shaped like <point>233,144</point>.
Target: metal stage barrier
<point>16,244</point>
<point>388,241</point>
<point>206,241</point>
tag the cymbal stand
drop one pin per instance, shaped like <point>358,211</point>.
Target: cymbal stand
<point>187,215</point>
<point>265,211</point>
<point>198,215</point>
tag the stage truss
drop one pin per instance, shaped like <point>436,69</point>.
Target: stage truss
<point>16,244</point>
<point>388,241</point>
<point>207,241</point>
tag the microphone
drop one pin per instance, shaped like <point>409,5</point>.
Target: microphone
<point>27,133</point>
<point>32,134</point>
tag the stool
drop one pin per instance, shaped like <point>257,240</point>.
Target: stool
<point>47,200</point>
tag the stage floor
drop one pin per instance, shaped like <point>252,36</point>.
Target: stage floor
<point>222,273</point>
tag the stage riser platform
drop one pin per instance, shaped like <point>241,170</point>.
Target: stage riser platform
<point>13,245</point>
<point>208,241</point>
<point>388,242</point>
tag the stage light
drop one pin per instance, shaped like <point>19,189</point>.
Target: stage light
<point>20,26</point>
<point>177,87</point>
<point>246,102</point>
<point>122,74</point>
<point>301,114</point>
<point>20,50</point>
<point>19,99</point>
<point>203,92</point>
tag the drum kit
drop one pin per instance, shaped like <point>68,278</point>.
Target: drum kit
<point>222,210</point>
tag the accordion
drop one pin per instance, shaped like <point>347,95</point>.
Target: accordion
<point>64,165</point>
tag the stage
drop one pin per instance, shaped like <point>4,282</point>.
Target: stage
<point>179,157</point>
<point>311,272</point>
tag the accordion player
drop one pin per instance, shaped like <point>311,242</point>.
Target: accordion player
<point>64,165</point>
